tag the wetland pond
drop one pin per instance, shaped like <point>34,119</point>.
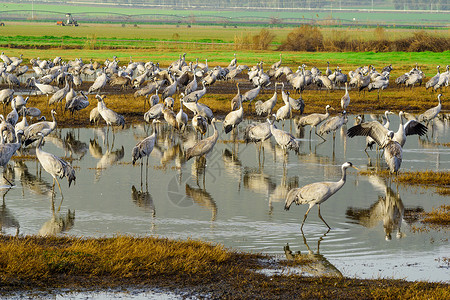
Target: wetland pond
<point>238,199</point>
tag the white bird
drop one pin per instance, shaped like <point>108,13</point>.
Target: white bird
<point>411,127</point>
<point>111,117</point>
<point>55,166</point>
<point>316,193</point>
<point>32,132</point>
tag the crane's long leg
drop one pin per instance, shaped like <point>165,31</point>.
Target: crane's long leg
<point>304,218</point>
<point>315,130</point>
<point>10,183</point>
<point>320,216</point>
<point>59,186</point>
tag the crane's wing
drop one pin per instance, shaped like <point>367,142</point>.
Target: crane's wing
<point>414,127</point>
<point>374,129</point>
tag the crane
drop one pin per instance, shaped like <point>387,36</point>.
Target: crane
<point>316,193</point>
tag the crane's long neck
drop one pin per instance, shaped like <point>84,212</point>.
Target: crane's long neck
<point>341,182</point>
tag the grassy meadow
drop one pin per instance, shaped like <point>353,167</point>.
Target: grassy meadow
<point>123,14</point>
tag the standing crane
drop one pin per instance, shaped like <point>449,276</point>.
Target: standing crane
<point>111,117</point>
<point>144,148</point>
<point>203,147</point>
<point>32,132</point>
<point>430,114</point>
<point>313,120</point>
<point>55,166</point>
<point>316,193</point>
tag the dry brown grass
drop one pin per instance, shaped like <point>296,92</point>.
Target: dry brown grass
<point>308,38</point>
<point>260,41</point>
<point>124,261</point>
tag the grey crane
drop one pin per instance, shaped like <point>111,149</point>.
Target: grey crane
<point>384,138</point>
<point>233,118</point>
<point>170,117</point>
<point>284,112</point>
<point>191,86</point>
<point>238,97</point>
<point>99,83</point>
<point>11,79</point>
<point>181,117</point>
<point>316,193</point>
<point>431,113</point>
<point>44,88</point>
<point>19,103</point>
<point>78,103</point>
<point>5,58</point>
<point>433,80</point>
<point>233,62</point>
<point>265,108</point>
<point>13,116</point>
<point>251,95</point>
<point>23,124</point>
<point>284,139</point>
<point>6,97</point>
<point>170,90</point>
<point>411,127</point>
<point>277,64</point>
<point>328,72</point>
<point>154,99</point>
<point>111,117</point>
<point>333,124</point>
<point>94,115</point>
<point>257,133</point>
<point>295,104</point>
<point>313,120</point>
<point>59,95</point>
<point>154,112</point>
<point>200,124</point>
<point>195,95</point>
<point>7,150</point>
<point>7,131</point>
<point>32,132</point>
<point>203,147</point>
<point>144,148</point>
<point>345,100</point>
<point>55,166</point>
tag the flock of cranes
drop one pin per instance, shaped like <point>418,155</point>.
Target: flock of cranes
<point>189,83</point>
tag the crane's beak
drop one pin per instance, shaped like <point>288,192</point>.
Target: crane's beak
<point>357,168</point>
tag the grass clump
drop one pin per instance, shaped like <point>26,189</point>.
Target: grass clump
<point>426,178</point>
<point>438,216</point>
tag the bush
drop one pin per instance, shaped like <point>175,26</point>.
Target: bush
<point>303,38</point>
<point>259,41</point>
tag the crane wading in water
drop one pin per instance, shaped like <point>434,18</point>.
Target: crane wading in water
<point>316,193</point>
<point>55,166</point>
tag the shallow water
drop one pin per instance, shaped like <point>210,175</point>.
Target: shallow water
<point>238,200</point>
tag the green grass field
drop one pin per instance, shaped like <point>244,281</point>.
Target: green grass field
<point>122,14</point>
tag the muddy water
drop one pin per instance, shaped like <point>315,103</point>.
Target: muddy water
<point>237,199</point>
